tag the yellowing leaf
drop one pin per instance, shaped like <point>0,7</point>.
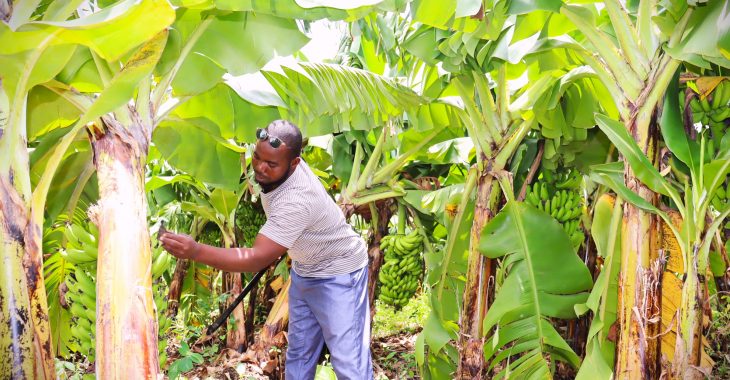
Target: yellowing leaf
<point>705,85</point>
<point>122,86</point>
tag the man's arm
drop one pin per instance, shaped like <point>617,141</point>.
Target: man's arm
<point>261,255</point>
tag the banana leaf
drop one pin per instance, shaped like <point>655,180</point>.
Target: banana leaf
<point>529,242</point>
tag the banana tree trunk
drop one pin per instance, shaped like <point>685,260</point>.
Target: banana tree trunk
<point>272,334</point>
<point>232,284</point>
<point>24,327</point>
<point>251,312</point>
<point>17,338</point>
<point>639,294</point>
<point>375,254</point>
<point>479,288</point>
<point>173,296</point>
<point>688,345</point>
<point>255,299</point>
<point>268,291</point>
<point>181,270</point>
<point>126,327</point>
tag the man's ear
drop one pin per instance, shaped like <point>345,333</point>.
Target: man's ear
<point>295,162</point>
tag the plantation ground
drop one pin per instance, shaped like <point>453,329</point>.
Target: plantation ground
<point>393,348</point>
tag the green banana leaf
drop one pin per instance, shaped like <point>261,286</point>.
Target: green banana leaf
<point>213,162</point>
<point>324,98</point>
<point>530,242</point>
<point>672,126</point>
<point>48,111</point>
<point>111,32</point>
<point>708,29</point>
<point>603,301</point>
<point>301,9</point>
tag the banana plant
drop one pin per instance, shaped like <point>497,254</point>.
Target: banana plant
<point>497,123</point>
<point>219,206</point>
<point>195,45</point>
<point>698,225</point>
<point>355,100</point>
<point>314,96</point>
<point>635,60</point>
<point>71,244</point>
<point>494,123</point>
<point>34,52</point>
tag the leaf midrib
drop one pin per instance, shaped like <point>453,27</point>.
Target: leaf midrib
<point>523,240</point>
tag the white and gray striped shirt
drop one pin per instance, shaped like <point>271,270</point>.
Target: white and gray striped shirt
<point>301,216</point>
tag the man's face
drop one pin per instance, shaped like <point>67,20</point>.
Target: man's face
<point>270,164</point>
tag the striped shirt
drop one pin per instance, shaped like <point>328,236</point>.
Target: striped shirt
<point>301,216</point>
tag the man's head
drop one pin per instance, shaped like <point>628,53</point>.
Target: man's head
<point>277,153</point>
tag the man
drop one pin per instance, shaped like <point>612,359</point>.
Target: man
<point>328,300</point>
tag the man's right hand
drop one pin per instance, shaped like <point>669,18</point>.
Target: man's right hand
<point>180,245</point>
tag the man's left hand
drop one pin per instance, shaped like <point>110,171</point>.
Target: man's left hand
<point>180,245</point>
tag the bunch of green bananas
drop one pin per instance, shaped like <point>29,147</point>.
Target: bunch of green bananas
<point>161,261</point>
<point>81,297</point>
<point>401,272</point>
<point>565,205</point>
<point>249,219</point>
<point>211,235</point>
<point>81,243</point>
<point>713,113</point>
<point>163,321</point>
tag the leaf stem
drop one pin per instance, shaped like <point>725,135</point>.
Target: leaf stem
<point>142,103</point>
<point>101,67</point>
<point>14,145</point>
<point>365,179</point>
<point>503,97</point>
<point>402,216</point>
<point>627,38</point>
<point>355,173</point>
<point>643,24</point>
<point>490,124</point>
<point>388,170</point>
<point>625,76</point>
<point>679,30</point>
<point>475,118</point>
<point>471,181</point>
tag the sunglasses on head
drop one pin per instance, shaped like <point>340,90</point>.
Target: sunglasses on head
<point>263,134</point>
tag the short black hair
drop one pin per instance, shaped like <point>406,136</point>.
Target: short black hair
<point>289,133</point>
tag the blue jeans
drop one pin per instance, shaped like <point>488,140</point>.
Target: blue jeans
<point>334,311</point>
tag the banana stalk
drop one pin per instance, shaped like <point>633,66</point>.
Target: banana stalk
<point>232,284</point>
<point>271,333</point>
<point>126,332</point>
<point>388,171</point>
<point>365,179</point>
<point>377,193</point>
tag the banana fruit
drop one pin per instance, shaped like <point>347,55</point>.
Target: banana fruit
<point>249,219</point>
<point>563,202</point>
<point>400,275</point>
<point>713,113</point>
<point>81,297</point>
<point>81,243</point>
